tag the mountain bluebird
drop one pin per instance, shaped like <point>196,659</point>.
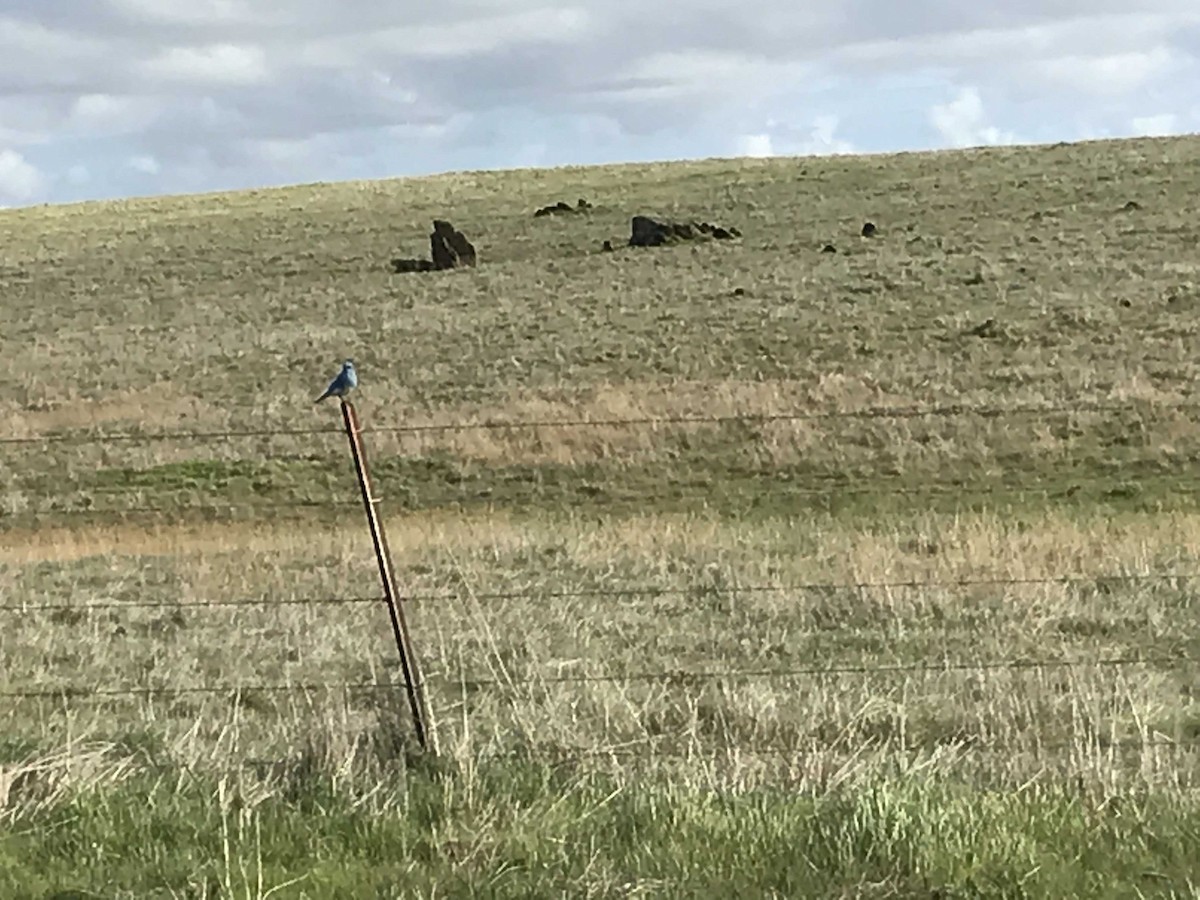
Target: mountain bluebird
<point>346,381</point>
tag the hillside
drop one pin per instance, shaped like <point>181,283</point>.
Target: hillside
<point>232,311</point>
<point>876,566</point>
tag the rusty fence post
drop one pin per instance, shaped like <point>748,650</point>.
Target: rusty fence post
<point>414,687</point>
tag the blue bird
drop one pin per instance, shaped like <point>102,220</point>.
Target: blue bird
<point>344,383</point>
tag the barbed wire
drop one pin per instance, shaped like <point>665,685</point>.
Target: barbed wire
<point>638,591</point>
<point>183,508</point>
<point>720,316</point>
<point>939,411</point>
<point>694,677</point>
<point>652,752</point>
<point>67,692</point>
<point>674,677</point>
<point>483,494</point>
<point>241,602</point>
<point>961,743</point>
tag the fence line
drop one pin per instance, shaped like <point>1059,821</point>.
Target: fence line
<point>645,751</point>
<point>214,508</point>
<point>669,679</point>
<point>779,486</point>
<point>66,692</point>
<point>695,677</point>
<point>675,677</point>
<point>964,743</point>
<point>644,591</point>
<point>941,411</point>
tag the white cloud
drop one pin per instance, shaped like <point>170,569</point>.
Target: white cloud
<point>817,138</point>
<point>704,73</point>
<point>20,181</point>
<point>822,140</point>
<point>597,129</point>
<point>38,45</point>
<point>188,12</point>
<point>452,37</point>
<point>111,114</point>
<point>214,64</point>
<point>755,145</point>
<point>24,121</point>
<point>1156,126</point>
<point>145,164</point>
<point>283,151</point>
<point>993,42</point>
<point>1117,73</point>
<point>530,155</point>
<point>961,122</point>
<point>227,93</point>
<point>98,108</point>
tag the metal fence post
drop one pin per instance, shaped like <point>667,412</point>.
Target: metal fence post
<point>414,687</point>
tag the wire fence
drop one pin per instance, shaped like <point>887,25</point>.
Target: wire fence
<point>690,489</point>
<point>671,678</point>
<point>952,410</point>
<point>651,752</point>
<point>624,494</point>
<point>627,591</point>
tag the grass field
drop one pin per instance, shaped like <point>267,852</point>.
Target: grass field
<point>826,646</point>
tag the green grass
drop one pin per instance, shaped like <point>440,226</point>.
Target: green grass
<point>1083,460</point>
<point>817,724</point>
<point>514,829</point>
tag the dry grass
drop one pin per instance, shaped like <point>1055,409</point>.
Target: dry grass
<point>231,311</point>
<point>998,726</point>
<point>189,309</point>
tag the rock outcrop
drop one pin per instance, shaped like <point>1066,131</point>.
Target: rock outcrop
<point>562,207</point>
<point>448,249</point>
<point>648,232</point>
<point>400,266</point>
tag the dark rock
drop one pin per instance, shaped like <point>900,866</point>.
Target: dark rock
<point>400,266</point>
<point>1126,302</point>
<point>829,248</point>
<point>648,232</point>
<point>562,206</point>
<point>1131,206</point>
<point>869,229</point>
<point>734,231</point>
<point>739,292</point>
<point>985,329</point>
<point>645,232</point>
<point>449,248</point>
<point>607,247</point>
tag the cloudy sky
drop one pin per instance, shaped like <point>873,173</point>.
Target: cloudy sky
<point>109,98</point>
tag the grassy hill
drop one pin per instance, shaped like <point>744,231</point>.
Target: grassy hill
<point>877,566</point>
<point>231,312</point>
